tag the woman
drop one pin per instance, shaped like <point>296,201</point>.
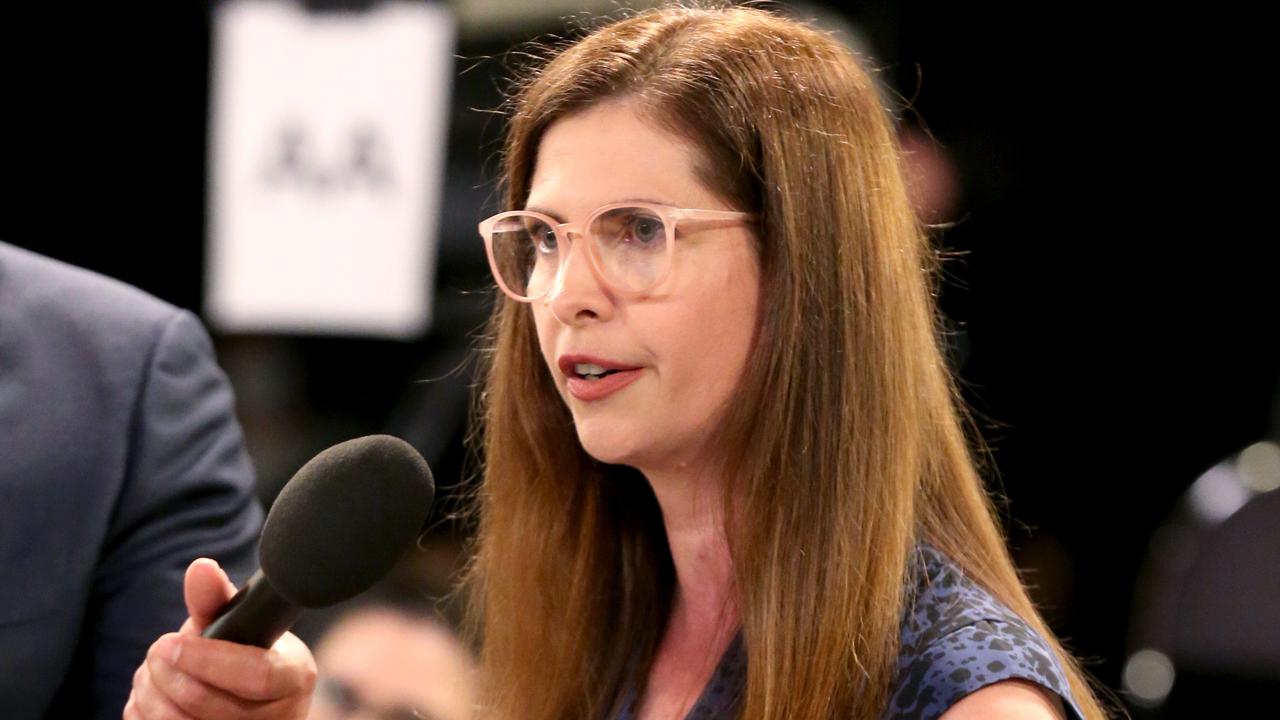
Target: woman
<point>726,473</point>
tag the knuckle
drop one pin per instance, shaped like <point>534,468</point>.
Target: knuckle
<point>280,677</point>
<point>271,678</point>
<point>186,693</point>
<point>309,677</point>
<point>158,711</point>
<point>312,674</point>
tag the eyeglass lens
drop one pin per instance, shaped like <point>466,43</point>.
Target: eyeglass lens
<point>628,243</point>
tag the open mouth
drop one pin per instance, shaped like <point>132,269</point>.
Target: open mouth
<point>590,381</point>
<point>588,371</point>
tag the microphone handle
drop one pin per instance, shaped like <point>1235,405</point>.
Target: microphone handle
<point>255,615</point>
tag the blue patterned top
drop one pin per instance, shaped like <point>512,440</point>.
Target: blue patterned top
<point>956,638</point>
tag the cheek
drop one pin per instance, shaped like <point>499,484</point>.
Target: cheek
<point>545,327</point>
<point>715,340</point>
<point>543,331</point>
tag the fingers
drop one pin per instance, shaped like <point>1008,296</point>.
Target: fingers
<point>147,702</point>
<point>187,677</point>
<point>287,670</point>
<point>192,697</point>
<point>193,700</point>
<point>206,589</point>
<point>193,678</point>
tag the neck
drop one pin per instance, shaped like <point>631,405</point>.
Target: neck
<point>692,502</point>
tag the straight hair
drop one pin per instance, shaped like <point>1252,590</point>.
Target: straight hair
<point>846,441</point>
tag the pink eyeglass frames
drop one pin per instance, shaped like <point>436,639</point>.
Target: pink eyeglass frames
<point>630,245</point>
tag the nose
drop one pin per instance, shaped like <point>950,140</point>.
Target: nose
<point>578,295</point>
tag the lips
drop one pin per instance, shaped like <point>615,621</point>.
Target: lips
<point>568,364</point>
<point>617,375</point>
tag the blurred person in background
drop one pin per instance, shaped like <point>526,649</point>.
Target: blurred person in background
<point>385,661</point>
<point>122,462</point>
<point>726,466</point>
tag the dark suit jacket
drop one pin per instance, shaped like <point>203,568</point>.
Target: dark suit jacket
<point>121,461</point>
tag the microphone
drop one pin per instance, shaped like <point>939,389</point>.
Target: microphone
<point>335,529</point>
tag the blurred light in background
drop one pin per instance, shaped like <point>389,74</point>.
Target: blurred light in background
<point>1148,676</point>
<point>1227,486</point>
<point>1217,494</point>
<point>1259,466</point>
<point>1207,605</point>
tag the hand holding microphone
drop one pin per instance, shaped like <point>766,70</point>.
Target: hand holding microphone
<point>186,675</point>
<point>336,528</point>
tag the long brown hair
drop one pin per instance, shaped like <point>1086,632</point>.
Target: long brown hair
<point>847,437</point>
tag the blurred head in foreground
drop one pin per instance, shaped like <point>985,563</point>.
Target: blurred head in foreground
<point>383,663</point>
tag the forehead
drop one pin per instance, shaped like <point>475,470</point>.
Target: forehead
<point>611,153</point>
<point>390,658</point>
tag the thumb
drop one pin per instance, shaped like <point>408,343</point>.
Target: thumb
<point>206,589</point>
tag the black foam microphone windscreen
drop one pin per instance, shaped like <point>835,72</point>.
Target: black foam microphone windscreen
<point>334,530</point>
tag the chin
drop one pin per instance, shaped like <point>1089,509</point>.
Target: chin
<point>606,452</point>
<point>608,442</point>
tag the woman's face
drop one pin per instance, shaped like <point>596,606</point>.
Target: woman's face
<point>682,348</point>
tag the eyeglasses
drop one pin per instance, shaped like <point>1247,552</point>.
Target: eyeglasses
<point>629,246</point>
<point>346,701</point>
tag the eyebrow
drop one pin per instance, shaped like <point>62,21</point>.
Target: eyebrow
<point>560,219</point>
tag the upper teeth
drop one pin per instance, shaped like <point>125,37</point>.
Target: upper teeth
<point>588,369</point>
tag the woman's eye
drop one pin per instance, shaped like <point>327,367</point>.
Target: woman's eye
<point>546,240</point>
<point>647,230</point>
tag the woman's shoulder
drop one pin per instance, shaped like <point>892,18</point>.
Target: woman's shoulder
<point>957,638</point>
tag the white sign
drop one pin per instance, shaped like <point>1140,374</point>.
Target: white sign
<point>328,135</point>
